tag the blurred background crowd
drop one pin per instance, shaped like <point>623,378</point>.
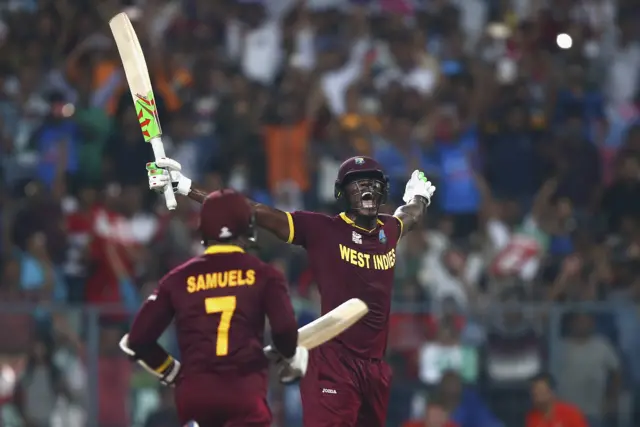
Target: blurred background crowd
<point>529,261</point>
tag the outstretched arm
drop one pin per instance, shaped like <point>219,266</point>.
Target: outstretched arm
<point>278,222</point>
<point>197,194</point>
<point>167,172</point>
<point>417,196</point>
<point>271,219</point>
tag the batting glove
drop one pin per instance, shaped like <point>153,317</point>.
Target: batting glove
<point>169,373</point>
<point>289,370</point>
<point>165,172</point>
<point>418,185</point>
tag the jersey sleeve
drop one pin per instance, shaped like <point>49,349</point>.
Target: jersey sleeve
<point>284,328</point>
<point>150,322</point>
<point>304,227</point>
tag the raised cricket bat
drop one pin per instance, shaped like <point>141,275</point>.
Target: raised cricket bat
<point>331,324</point>
<point>135,68</point>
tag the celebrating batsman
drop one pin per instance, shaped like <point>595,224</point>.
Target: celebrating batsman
<point>352,255</point>
<point>219,301</point>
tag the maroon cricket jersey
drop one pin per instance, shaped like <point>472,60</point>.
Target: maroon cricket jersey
<point>219,301</point>
<point>348,261</point>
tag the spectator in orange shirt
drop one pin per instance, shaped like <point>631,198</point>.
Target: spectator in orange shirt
<point>287,146</point>
<point>547,410</point>
<point>436,415</point>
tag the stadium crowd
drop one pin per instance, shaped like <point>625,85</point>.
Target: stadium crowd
<point>529,262</point>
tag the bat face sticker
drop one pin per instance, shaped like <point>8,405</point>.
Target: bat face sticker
<point>147,116</point>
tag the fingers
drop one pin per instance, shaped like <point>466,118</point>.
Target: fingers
<point>167,163</point>
<point>159,181</point>
<point>419,176</point>
<point>293,369</point>
<point>153,169</point>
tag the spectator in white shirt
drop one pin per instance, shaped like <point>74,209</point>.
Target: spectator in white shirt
<point>342,74</point>
<point>449,273</point>
<point>409,69</point>
<point>624,67</point>
<point>256,42</point>
<point>447,353</point>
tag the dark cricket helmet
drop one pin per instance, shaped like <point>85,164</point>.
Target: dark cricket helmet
<point>363,184</point>
<point>226,215</point>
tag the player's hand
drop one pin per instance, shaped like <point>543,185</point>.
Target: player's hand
<point>165,172</point>
<point>418,185</point>
<point>291,370</point>
<point>169,376</point>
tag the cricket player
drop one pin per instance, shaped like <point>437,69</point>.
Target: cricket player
<point>352,255</point>
<point>219,301</point>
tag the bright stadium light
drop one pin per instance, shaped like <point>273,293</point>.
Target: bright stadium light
<point>564,41</point>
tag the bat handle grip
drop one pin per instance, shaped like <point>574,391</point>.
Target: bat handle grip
<point>170,198</point>
<point>158,153</point>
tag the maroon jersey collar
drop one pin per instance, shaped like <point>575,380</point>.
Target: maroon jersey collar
<point>223,249</point>
<point>349,221</point>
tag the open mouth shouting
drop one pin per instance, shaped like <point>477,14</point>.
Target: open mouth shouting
<point>367,200</point>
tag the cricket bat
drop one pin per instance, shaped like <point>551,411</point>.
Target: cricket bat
<point>331,324</point>
<point>135,68</point>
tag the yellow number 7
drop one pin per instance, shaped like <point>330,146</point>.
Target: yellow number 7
<point>226,306</point>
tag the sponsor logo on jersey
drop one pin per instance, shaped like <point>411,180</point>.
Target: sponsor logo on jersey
<point>356,237</point>
<point>329,391</point>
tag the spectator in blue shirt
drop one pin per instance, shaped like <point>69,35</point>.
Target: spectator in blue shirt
<point>577,163</point>
<point>512,162</point>
<point>464,404</point>
<point>57,141</point>
<point>587,101</point>
<point>399,154</point>
<point>457,148</point>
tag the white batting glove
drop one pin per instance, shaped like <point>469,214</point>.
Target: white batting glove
<point>165,172</point>
<point>418,185</point>
<point>289,370</point>
<point>167,377</point>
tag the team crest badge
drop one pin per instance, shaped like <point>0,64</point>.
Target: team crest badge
<point>382,237</point>
<point>225,233</point>
<point>359,161</point>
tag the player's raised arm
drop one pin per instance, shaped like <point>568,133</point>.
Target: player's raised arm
<point>167,172</point>
<point>417,196</point>
<point>141,343</point>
